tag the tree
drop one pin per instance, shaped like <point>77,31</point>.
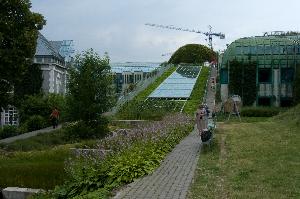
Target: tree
<point>31,83</point>
<point>90,91</point>
<point>192,54</point>
<point>18,35</point>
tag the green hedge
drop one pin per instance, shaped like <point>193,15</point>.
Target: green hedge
<point>198,92</point>
<point>260,111</point>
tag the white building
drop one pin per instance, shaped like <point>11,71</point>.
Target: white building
<point>52,56</point>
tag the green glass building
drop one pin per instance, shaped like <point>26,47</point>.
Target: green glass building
<point>276,56</point>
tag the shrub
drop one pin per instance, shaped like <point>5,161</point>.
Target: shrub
<point>8,131</point>
<point>260,111</point>
<point>136,154</point>
<point>86,130</point>
<point>192,54</point>
<point>41,105</point>
<point>35,122</point>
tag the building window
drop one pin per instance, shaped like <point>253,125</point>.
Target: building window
<point>268,50</point>
<point>260,50</point>
<point>39,60</point>
<point>290,50</point>
<point>287,75</point>
<point>276,50</point>
<point>224,76</point>
<point>264,75</point>
<point>298,50</point>
<point>48,60</point>
<point>246,50</point>
<point>253,49</point>
<point>282,50</point>
<point>264,101</point>
<point>11,116</point>
<point>238,50</point>
<point>286,102</point>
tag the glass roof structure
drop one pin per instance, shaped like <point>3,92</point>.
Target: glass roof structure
<point>179,85</point>
<point>265,50</point>
<point>134,67</point>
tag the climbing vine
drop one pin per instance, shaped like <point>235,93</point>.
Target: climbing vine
<point>242,80</point>
<point>296,85</point>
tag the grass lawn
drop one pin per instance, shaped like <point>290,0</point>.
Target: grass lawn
<point>35,169</point>
<point>252,160</point>
<point>198,92</point>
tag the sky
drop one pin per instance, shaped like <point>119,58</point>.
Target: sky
<point>118,26</point>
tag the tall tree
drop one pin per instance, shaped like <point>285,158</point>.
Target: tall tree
<point>31,83</point>
<point>18,35</point>
<point>90,91</point>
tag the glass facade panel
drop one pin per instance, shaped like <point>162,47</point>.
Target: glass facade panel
<point>290,50</point>
<point>253,49</point>
<point>224,76</point>
<point>282,50</point>
<point>246,50</point>
<point>260,50</point>
<point>276,50</point>
<point>268,50</point>
<point>238,50</point>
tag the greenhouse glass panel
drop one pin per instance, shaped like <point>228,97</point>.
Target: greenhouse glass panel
<point>179,84</point>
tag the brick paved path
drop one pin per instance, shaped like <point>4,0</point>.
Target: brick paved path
<point>174,176</point>
<point>172,179</point>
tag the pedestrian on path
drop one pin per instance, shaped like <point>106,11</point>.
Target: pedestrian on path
<point>201,120</point>
<point>54,117</point>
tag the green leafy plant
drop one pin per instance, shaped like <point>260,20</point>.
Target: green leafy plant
<point>90,91</point>
<point>19,31</point>
<point>36,122</point>
<point>198,92</point>
<point>260,111</point>
<point>133,156</point>
<point>192,54</point>
<point>8,131</point>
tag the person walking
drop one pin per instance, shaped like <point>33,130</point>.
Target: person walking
<point>54,117</point>
<point>201,119</point>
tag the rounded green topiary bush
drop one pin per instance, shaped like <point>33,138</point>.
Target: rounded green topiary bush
<point>192,54</point>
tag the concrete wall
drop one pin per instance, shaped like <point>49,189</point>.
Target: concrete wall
<point>54,78</point>
<point>18,193</point>
<point>224,92</point>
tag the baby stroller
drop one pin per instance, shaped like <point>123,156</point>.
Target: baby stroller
<point>207,134</point>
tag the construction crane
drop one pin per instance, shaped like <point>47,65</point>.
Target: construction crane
<point>209,34</point>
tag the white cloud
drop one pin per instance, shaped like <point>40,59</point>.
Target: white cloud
<point>118,26</point>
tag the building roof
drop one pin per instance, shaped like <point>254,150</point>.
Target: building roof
<point>46,48</point>
<point>134,67</point>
